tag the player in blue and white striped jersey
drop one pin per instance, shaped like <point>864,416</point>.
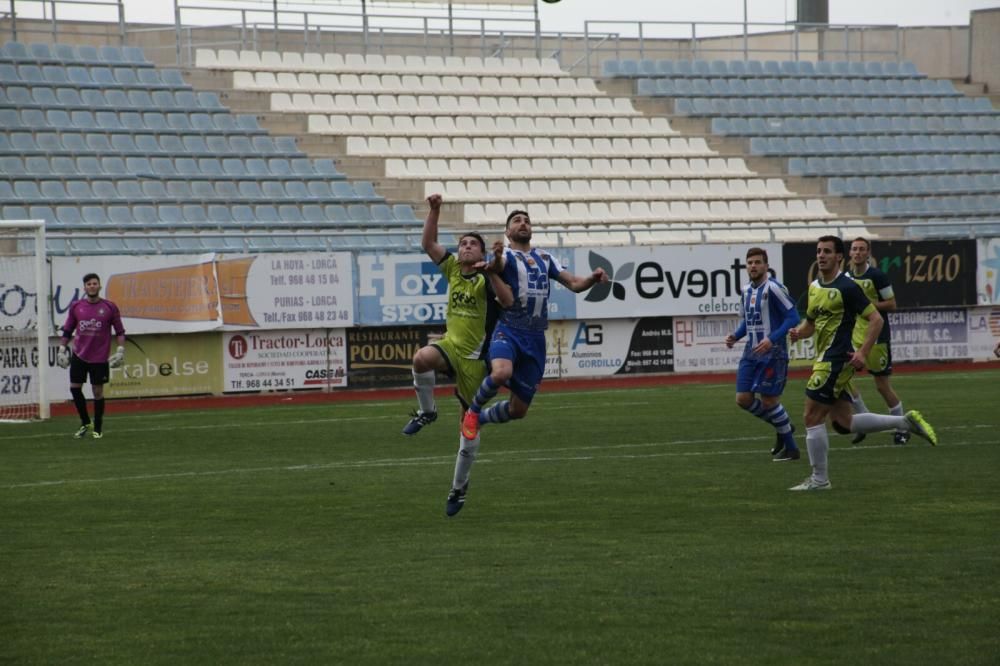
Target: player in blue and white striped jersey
<point>768,313</point>
<point>522,279</point>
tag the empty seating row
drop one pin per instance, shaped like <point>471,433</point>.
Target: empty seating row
<point>894,164</point>
<point>527,147</point>
<point>875,145</point>
<point>375,63</point>
<point>242,243</point>
<point>369,84</point>
<point>953,228</point>
<point>45,97</point>
<point>359,124</point>
<point>468,105</point>
<point>41,166</point>
<point>607,190</point>
<point>134,121</point>
<point>982,204</point>
<point>80,76</point>
<point>913,185</point>
<point>657,211</point>
<point>718,87</point>
<point>122,144</point>
<point>45,54</point>
<point>825,126</point>
<point>78,190</point>
<point>836,106</point>
<point>760,68</point>
<point>565,167</point>
<point>213,216</point>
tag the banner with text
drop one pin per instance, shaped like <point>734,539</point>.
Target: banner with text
<point>18,296</point>
<point>667,280</point>
<point>282,360</point>
<point>609,347</point>
<point>700,344</point>
<point>922,273</point>
<point>155,294</point>
<point>410,289</point>
<point>180,293</point>
<point>305,290</point>
<point>164,365</point>
<point>988,273</point>
<point>383,356</point>
<point>984,331</point>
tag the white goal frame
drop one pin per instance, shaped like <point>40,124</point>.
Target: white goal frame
<point>37,227</point>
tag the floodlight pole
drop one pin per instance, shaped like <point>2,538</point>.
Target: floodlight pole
<point>276,26</point>
<point>745,28</point>
<point>538,34</point>
<point>364,27</point>
<point>451,31</point>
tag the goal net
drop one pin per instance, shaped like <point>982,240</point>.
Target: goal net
<point>24,321</point>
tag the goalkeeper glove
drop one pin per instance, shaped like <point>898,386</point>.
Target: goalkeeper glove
<point>62,356</point>
<point>117,358</point>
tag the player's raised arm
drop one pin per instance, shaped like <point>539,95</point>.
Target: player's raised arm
<point>578,283</point>
<point>429,239</point>
<point>493,270</point>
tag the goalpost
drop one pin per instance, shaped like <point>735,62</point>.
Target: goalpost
<point>24,321</point>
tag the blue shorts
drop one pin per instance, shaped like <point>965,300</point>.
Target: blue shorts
<point>526,351</point>
<point>762,375</point>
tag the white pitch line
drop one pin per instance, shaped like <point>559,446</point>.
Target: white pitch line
<point>273,423</point>
<point>441,460</point>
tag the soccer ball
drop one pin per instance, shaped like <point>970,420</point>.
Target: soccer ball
<point>550,2</point>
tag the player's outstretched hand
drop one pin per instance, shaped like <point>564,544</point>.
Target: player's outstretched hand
<point>730,341</point>
<point>793,334</point>
<point>62,357</point>
<point>599,275</point>
<point>996,350</point>
<point>857,360</point>
<point>117,358</point>
<point>495,264</point>
<point>434,201</point>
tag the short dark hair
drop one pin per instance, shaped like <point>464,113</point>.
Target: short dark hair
<point>516,212</point>
<point>863,240</point>
<point>838,243</point>
<point>757,252</point>
<point>91,276</point>
<point>477,236</point>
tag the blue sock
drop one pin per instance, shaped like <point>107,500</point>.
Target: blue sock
<point>485,393</point>
<point>498,413</point>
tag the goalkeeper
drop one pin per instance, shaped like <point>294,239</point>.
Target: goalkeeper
<point>91,319</point>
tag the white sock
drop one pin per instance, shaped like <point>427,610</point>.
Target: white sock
<point>818,443</point>
<point>897,411</point>
<point>423,383</point>
<point>467,452</point>
<point>877,422</point>
<point>858,404</point>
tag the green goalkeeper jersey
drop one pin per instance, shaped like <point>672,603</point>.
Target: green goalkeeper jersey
<point>471,312</point>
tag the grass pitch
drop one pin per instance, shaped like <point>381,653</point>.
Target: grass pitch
<point>643,526</point>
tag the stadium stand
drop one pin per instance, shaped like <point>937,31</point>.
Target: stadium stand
<point>491,134</point>
<point>101,140</point>
<point>909,147</point>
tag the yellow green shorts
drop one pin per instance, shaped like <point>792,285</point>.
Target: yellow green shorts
<point>468,373</point>
<point>829,381</point>
<point>879,360</point>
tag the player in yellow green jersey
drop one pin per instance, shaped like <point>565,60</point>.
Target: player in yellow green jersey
<point>461,353</point>
<point>878,289</point>
<point>835,304</point>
